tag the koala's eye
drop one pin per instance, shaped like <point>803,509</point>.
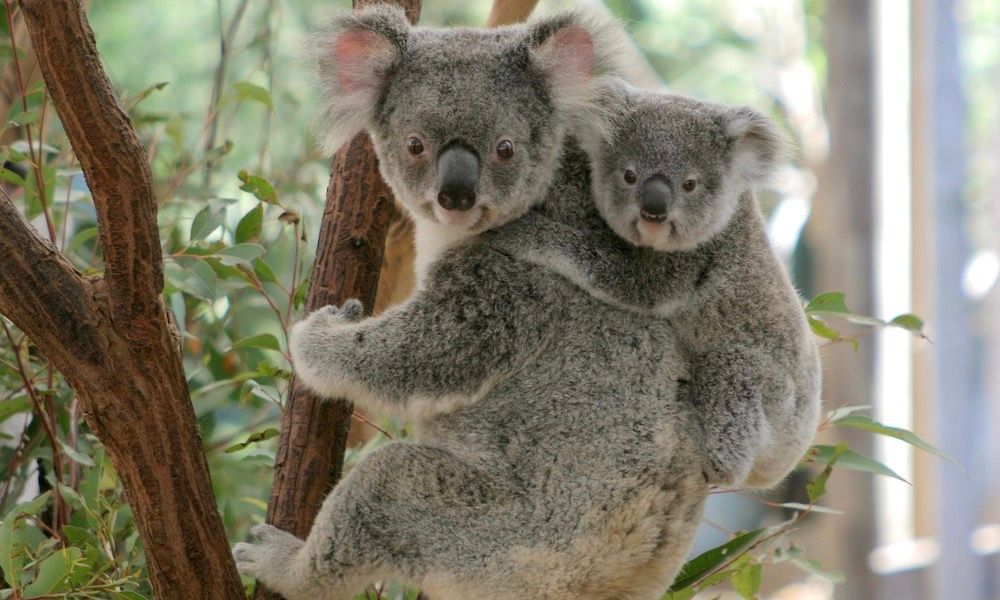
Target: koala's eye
<point>689,185</point>
<point>630,176</point>
<point>505,149</point>
<point>414,145</point>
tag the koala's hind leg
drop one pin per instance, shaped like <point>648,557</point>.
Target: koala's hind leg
<point>406,512</point>
<point>727,387</point>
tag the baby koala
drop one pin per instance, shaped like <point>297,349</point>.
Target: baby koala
<point>687,242</point>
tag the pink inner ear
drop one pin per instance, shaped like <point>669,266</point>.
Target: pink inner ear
<point>358,56</point>
<point>572,52</point>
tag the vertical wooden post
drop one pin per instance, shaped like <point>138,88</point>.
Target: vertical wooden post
<point>841,231</point>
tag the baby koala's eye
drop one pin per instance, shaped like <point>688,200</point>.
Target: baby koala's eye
<point>689,185</point>
<point>414,145</point>
<point>505,149</point>
<point>630,176</point>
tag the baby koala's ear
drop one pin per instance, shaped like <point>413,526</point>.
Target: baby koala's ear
<point>758,146</point>
<point>577,53</point>
<point>355,54</point>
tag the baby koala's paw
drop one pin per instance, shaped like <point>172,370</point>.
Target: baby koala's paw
<point>270,557</point>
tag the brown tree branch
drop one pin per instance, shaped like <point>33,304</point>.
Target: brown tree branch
<point>112,157</point>
<point>349,253</point>
<point>507,12</point>
<point>39,287</point>
<point>113,342</point>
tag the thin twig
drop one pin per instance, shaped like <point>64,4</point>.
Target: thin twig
<point>49,430</point>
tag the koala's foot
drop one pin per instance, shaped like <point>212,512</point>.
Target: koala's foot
<point>726,469</point>
<point>270,559</point>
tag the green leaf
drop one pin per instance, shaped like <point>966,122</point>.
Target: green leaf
<point>263,271</point>
<point>147,91</point>
<point>14,539</point>
<point>11,407</point>
<point>850,459</point>
<point>814,508</point>
<point>830,302</point>
<point>822,329</point>
<point>53,572</point>
<point>250,225</point>
<point>80,536</point>
<point>300,293</point>
<point>253,438</point>
<point>11,177</point>
<point>706,562</point>
<point>206,221</point>
<point>909,322</point>
<point>258,186</point>
<point>251,91</point>
<point>815,568</point>
<point>866,424</point>
<point>240,254</point>
<point>817,487</point>
<point>843,411</point>
<point>218,152</point>
<point>262,340</point>
<point>78,457</point>
<point>746,581</point>
<point>81,238</point>
<point>192,276</point>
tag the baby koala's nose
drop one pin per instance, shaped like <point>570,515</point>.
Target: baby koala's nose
<point>458,172</point>
<point>654,199</point>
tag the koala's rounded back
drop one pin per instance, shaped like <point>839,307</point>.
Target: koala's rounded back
<point>468,124</point>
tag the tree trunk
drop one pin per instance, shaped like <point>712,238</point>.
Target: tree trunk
<point>349,255</point>
<point>110,336</point>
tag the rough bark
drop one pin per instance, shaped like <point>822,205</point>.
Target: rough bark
<point>349,254</point>
<point>110,336</point>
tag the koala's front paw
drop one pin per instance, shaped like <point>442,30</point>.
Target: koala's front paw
<point>349,312</point>
<point>269,559</point>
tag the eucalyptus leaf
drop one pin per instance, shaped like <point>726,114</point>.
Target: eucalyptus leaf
<point>706,562</point>
<point>248,229</point>
<point>251,91</point>
<point>261,340</point>
<point>866,424</point>
<point>850,459</point>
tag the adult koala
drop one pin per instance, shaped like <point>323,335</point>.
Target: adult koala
<point>551,459</point>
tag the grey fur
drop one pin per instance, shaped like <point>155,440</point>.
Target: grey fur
<point>552,458</point>
<point>709,269</point>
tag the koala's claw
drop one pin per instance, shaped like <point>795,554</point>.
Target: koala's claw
<point>349,311</point>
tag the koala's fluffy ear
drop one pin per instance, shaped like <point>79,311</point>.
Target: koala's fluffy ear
<point>355,54</point>
<point>758,146</point>
<point>578,54</point>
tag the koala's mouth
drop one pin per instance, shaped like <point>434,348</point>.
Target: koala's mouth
<point>656,234</point>
<point>472,219</point>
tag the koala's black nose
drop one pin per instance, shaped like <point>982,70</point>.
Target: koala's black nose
<point>654,199</point>
<point>458,172</point>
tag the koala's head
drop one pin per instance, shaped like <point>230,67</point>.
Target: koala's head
<point>467,124</point>
<point>673,173</point>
